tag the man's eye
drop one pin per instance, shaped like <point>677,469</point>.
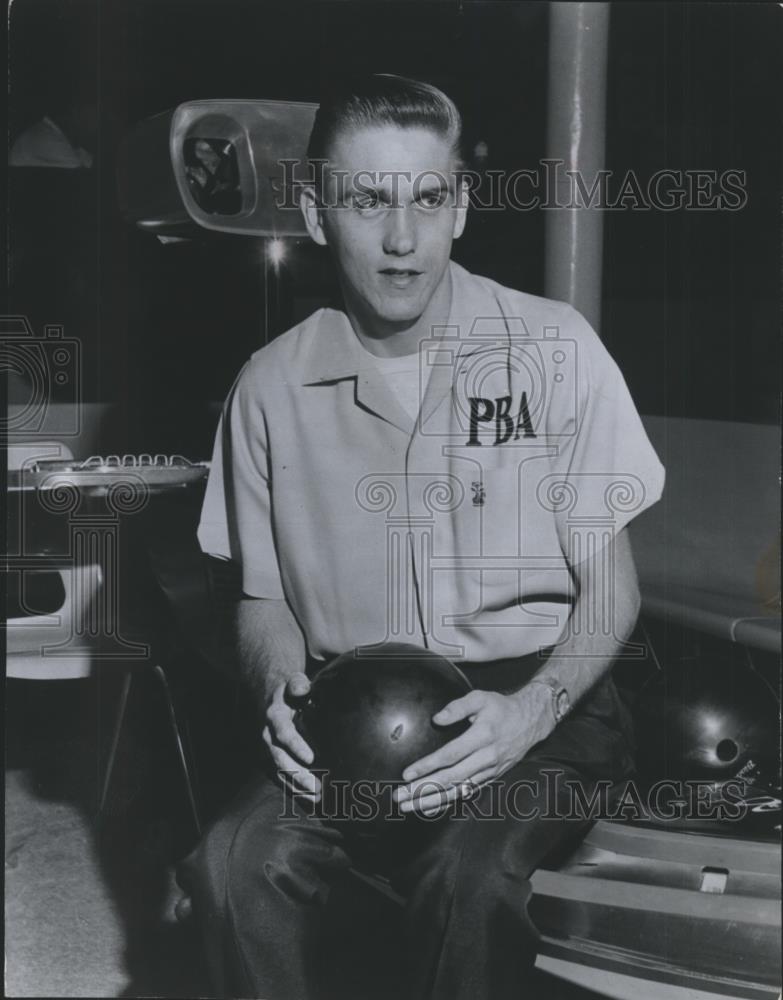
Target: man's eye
<point>366,202</point>
<point>432,199</point>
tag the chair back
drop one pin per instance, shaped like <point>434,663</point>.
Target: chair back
<point>41,646</point>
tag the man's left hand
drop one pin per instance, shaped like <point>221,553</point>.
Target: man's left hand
<point>503,727</point>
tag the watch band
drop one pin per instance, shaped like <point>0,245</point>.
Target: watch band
<point>561,703</point>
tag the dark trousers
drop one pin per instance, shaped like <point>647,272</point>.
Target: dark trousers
<point>261,877</point>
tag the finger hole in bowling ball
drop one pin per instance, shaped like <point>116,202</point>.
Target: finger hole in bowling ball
<point>727,750</point>
<point>297,701</point>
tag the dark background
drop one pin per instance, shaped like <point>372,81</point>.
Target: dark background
<point>690,298</point>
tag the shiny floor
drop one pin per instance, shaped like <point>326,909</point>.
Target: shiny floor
<point>88,899</point>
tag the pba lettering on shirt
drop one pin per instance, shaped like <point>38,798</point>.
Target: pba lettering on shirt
<point>510,388</point>
<point>497,412</point>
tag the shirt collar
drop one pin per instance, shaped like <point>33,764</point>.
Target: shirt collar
<point>335,352</point>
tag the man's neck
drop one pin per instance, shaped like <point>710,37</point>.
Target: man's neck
<point>389,339</point>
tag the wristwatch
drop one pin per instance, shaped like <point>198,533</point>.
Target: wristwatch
<point>561,703</point>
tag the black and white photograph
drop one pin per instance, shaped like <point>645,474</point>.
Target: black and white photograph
<point>393,500</point>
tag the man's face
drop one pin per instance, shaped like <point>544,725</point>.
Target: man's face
<point>390,217</point>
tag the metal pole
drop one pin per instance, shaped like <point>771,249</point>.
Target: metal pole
<point>578,35</point>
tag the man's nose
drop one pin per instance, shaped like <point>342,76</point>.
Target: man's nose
<point>400,235</point>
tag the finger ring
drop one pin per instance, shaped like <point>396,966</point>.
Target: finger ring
<point>468,789</point>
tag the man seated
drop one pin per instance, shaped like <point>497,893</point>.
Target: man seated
<point>441,461</point>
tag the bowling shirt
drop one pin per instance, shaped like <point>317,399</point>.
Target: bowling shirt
<point>458,530</point>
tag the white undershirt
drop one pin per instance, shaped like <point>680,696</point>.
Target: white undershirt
<point>402,377</point>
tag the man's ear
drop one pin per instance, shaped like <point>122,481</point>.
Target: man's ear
<point>311,213</point>
<point>461,214</point>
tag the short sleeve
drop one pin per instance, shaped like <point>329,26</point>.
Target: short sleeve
<point>605,471</point>
<point>236,517</point>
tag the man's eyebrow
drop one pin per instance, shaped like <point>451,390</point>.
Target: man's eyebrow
<point>433,185</point>
<point>361,182</point>
<point>365,183</point>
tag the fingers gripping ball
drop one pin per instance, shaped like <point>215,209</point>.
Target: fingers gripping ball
<point>369,715</point>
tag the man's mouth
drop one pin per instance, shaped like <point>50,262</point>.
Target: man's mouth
<point>400,277</point>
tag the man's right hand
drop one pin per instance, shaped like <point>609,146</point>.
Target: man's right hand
<point>287,748</point>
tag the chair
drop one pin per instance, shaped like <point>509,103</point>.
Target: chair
<point>32,639</point>
<point>39,645</point>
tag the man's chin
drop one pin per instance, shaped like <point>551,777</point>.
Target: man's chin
<point>403,321</point>
<point>400,312</point>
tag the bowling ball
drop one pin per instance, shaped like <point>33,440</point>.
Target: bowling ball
<point>708,721</point>
<point>369,715</point>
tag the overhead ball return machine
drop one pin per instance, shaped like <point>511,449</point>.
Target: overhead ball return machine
<point>225,166</point>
